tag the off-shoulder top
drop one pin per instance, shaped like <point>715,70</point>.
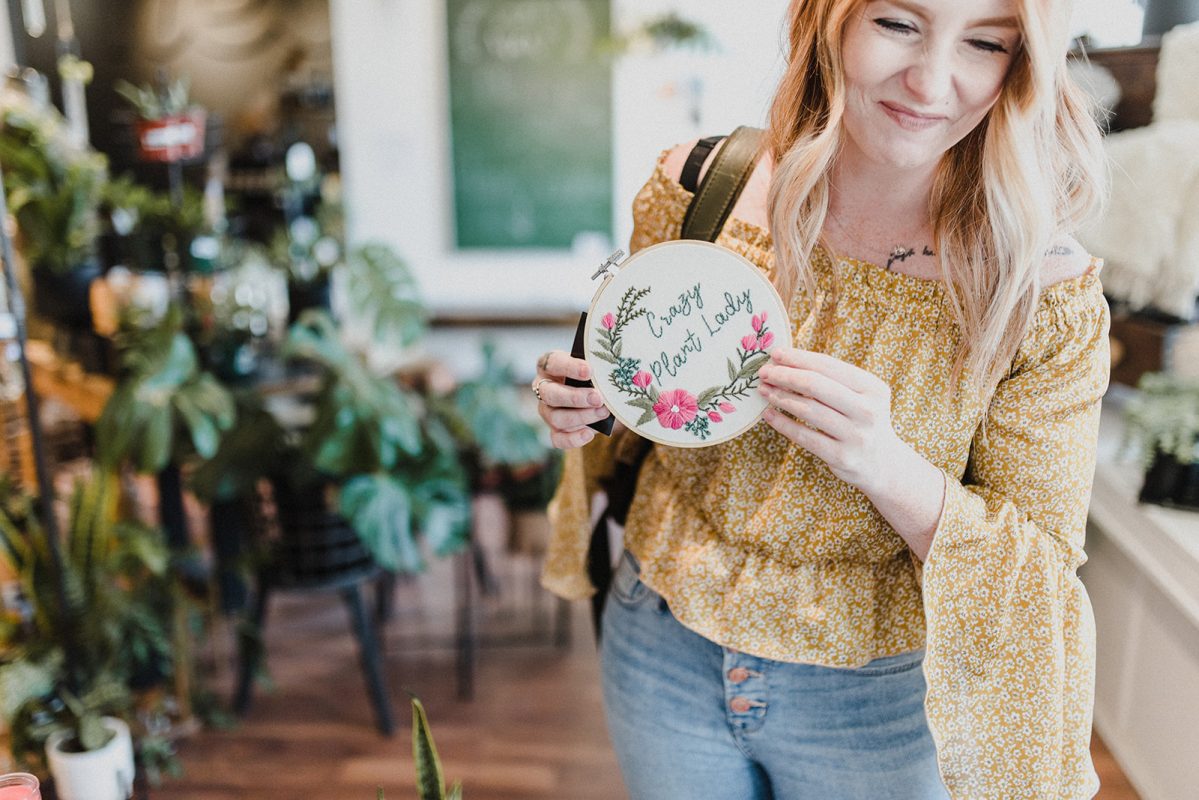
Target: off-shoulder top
<point>757,546</point>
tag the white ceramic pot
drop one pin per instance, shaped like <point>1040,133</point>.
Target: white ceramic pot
<point>104,774</point>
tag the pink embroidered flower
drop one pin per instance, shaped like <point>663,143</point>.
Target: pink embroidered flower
<point>643,379</point>
<point>712,415</point>
<point>675,408</point>
<point>765,341</point>
<point>749,343</point>
<point>728,408</point>
<point>608,321</point>
<point>757,322</point>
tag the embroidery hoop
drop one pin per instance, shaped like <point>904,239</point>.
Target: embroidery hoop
<point>712,396</point>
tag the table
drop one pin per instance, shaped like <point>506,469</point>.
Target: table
<point>1143,579</point>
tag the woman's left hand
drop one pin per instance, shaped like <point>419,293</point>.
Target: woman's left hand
<point>849,407</point>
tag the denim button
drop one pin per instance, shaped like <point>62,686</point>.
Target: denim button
<point>738,674</point>
<point>740,704</point>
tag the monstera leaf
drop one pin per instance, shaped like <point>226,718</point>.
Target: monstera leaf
<point>162,394</point>
<point>383,294</point>
<point>379,508</point>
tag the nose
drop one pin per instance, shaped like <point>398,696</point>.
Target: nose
<point>930,77</point>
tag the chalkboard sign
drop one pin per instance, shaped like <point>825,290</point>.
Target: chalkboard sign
<point>531,116</point>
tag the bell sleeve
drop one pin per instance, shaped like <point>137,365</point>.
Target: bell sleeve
<point>658,211</point>
<point>1010,649</point>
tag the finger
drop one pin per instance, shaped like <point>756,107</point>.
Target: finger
<point>856,378</point>
<point>813,412</point>
<point>816,385</point>
<point>563,419</point>
<point>815,442</point>
<point>567,441</point>
<point>558,395</point>
<point>560,364</point>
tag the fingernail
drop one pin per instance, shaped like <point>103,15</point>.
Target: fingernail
<point>584,373</point>
<point>595,399</point>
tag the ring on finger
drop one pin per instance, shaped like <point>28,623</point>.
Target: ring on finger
<point>537,387</point>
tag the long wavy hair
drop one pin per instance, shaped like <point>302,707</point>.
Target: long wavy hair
<point>1032,169</point>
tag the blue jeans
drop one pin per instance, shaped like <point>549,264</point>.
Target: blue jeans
<point>691,720</point>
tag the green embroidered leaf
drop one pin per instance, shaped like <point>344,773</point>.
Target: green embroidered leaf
<point>732,370</point>
<point>604,356</point>
<point>706,395</point>
<point>653,392</point>
<point>616,348</point>
<point>752,366</point>
<point>643,403</point>
<point>646,417</point>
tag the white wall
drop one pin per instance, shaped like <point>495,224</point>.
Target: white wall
<point>392,109</point>
<point>7,58</point>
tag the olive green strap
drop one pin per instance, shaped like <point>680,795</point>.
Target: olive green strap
<point>722,185</point>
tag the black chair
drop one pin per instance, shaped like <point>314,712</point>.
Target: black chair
<point>310,547</point>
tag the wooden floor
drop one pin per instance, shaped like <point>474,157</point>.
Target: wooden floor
<point>535,729</point>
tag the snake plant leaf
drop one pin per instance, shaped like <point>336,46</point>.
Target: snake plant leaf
<point>380,510</point>
<point>456,792</point>
<point>430,783</point>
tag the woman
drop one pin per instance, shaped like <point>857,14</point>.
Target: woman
<point>874,594</point>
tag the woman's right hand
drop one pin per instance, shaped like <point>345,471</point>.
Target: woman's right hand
<point>568,410</point>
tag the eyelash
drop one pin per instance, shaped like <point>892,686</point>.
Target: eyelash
<point>903,28</point>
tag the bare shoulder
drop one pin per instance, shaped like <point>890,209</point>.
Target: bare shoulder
<point>1065,259</point>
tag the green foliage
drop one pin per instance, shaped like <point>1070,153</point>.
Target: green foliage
<point>252,449</point>
<point>486,417</point>
<point>145,219</point>
<point>660,33</point>
<point>1164,417</point>
<point>114,576</point>
<point>53,187</point>
<point>383,295</point>
<point>163,406</point>
<point>394,462</point>
<point>153,102</point>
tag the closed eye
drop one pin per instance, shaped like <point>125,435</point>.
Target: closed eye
<point>987,46</point>
<point>895,26</point>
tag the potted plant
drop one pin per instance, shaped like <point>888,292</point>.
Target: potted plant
<point>308,249</point>
<point>1163,419</point>
<point>54,191</point>
<point>393,464</point>
<point>365,448</point>
<point>169,127</point>
<point>70,701</point>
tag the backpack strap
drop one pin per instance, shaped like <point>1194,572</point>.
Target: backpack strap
<point>705,218</point>
<point>722,185</point>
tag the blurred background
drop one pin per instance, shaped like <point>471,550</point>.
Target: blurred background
<point>279,274</point>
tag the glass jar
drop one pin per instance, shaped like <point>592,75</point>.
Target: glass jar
<point>19,786</point>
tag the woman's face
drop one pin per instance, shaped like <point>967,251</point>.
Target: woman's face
<point>921,74</point>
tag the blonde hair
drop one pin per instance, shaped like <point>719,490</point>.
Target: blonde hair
<point>1032,169</point>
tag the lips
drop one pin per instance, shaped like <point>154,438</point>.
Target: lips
<point>909,119</point>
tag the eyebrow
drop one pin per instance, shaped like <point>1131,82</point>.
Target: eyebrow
<point>987,22</point>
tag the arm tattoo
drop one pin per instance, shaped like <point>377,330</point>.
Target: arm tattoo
<point>1059,250</point>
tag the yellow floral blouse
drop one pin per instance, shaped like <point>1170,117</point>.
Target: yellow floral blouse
<point>757,546</point>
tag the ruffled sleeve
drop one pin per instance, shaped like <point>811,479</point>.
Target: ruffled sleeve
<point>1010,648</point>
<point>658,211</point>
